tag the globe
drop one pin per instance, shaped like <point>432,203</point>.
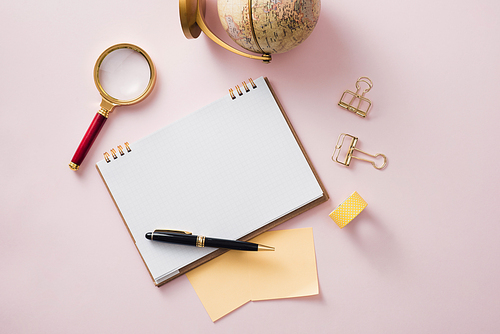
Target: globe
<point>269,26</point>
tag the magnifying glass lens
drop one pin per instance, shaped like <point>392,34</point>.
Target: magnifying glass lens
<point>124,74</point>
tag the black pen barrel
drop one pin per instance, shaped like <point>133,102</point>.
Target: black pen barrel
<point>230,244</point>
<point>200,241</point>
<point>173,238</point>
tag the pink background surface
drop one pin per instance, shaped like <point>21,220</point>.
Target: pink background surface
<point>422,258</point>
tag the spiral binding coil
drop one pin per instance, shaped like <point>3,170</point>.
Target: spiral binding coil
<point>113,152</point>
<point>238,89</point>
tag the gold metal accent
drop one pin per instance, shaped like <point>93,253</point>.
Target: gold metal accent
<point>252,83</point>
<point>250,20</point>
<point>105,112</point>
<point>246,87</point>
<point>108,102</point>
<point>352,147</point>
<point>74,166</point>
<point>200,241</point>
<point>358,109</point>
<point>187,12</point>
<point>239,90</point>
<point>113,152</point>
<point>192,14</point>
<point>172,231</point>
<point>265,248</point>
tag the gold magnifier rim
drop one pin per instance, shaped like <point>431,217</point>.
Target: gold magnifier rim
<point>152,78</point>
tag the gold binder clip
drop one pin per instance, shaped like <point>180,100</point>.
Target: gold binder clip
<point>352,147</point>
<point>363,104</point>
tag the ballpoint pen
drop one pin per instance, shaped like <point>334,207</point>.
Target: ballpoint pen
<point>187,238</point>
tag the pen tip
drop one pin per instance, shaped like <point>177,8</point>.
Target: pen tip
<point>148,235</point>
<point>265,248</point>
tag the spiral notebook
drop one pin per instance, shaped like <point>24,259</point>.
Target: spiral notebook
<point>233,169</point>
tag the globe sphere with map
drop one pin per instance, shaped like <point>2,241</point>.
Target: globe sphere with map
<point>269,26</point>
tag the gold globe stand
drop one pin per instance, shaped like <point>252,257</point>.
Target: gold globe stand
<point>192,13</point>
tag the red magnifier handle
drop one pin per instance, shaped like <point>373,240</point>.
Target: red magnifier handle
<point>87,141</point>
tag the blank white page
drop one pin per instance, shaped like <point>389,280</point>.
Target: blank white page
<point>222,171</point>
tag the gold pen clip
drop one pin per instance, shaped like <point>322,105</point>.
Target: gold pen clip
<point>172,231</point>
<point>349,154</point>
<point>363,104</point>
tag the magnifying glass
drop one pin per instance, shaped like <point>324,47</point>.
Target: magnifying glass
<point>124,74</point>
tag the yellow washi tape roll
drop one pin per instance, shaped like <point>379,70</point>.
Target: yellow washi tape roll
<point>348,210</point>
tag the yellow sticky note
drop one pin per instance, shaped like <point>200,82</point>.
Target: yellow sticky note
<point>289,271</point>
<point>348,210</point>
<point>237,277</point>
<point>218,283</point>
